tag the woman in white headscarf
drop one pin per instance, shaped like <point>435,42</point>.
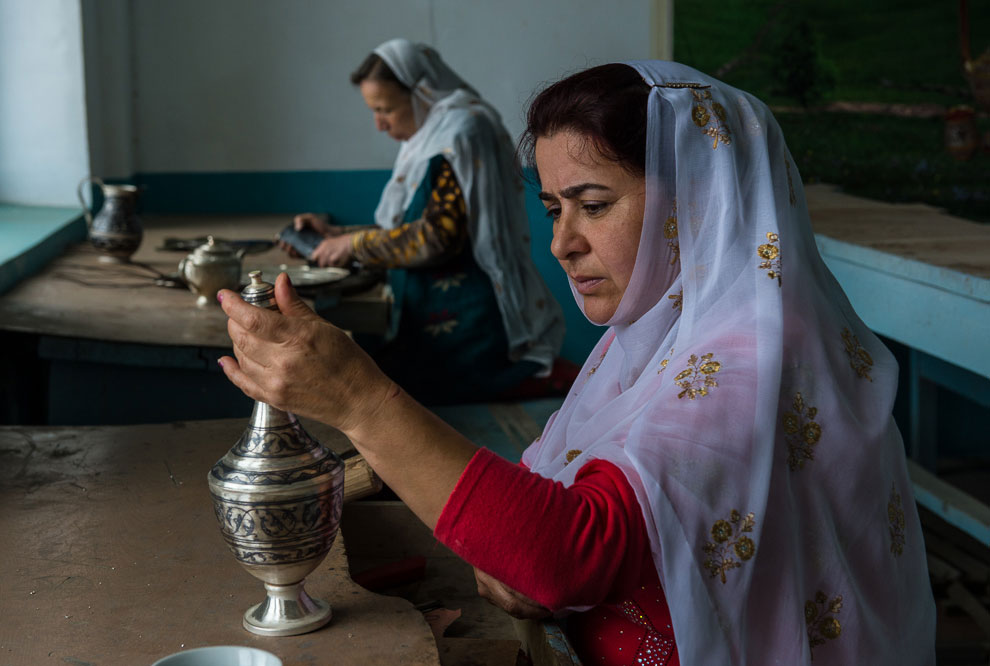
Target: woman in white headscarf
<point>475,319</point>
<point>724,483</point>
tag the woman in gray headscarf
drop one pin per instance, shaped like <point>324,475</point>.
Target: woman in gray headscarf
<point>475,317</point>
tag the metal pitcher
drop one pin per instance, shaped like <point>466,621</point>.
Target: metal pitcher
<point>115,230</point>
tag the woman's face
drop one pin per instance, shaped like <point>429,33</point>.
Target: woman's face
<point>391,107</point>
<point>597,211</point>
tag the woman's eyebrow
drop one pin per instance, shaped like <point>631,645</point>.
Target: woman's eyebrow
<point>573,191</point>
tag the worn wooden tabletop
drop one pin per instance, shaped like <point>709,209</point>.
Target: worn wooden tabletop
<point>78,296</point>
<point>111,555</point>
<point>911,231</point>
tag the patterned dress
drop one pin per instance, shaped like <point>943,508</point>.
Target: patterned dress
<point>451,345</point>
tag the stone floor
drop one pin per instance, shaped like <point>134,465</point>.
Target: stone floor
<point>962,588</point>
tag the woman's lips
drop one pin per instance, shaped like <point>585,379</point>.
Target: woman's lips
<point>586,285</point>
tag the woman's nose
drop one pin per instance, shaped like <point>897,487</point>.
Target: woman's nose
<point>380,123</point>
<point>567,239</point>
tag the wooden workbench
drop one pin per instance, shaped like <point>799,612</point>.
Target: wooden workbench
<point>77,296</point>
<point>102,344</point>
<point>111,555</point>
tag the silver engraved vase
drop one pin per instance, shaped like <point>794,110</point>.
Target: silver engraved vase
<point>278,495</point>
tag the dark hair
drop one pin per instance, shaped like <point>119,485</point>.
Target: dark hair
<point>373,68</point>
<point>606,103</point>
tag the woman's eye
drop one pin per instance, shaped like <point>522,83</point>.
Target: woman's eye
<point>594,207</point>
<point>553,212</point>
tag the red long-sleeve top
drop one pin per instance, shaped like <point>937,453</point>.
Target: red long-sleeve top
<point>583,545</point>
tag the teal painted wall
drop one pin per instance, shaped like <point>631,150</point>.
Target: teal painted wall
<point>31,236</point>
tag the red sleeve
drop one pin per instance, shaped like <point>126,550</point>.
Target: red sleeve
<point>575,546</point>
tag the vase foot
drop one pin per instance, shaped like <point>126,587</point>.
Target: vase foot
<point>113,259</point>
<point>287,611</point>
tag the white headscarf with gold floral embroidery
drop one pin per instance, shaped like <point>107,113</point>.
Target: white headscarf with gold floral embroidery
<point>749,408</point>
<point>455,122</point>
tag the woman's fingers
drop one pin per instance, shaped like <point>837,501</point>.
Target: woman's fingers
<point>238,378</point>
<point>318,223</point>
<point>333,251</point>
<point>295,360</point>
<point>289,303</point>
<point>514,603</point>
<point>256,321</point>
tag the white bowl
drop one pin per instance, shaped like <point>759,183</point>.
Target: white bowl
<point>221,655</point>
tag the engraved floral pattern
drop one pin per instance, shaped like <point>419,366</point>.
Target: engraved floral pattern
<point>769,252</point>
<point>801,432</point>
<point>730,546</point>
<point>571,455</point>
<point>895,516</point>
<point>820,616</point>
<point>859,359</point>
<point>709,115</point>
<point>698,377</point>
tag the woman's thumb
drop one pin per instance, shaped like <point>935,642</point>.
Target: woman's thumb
<point>289,303</point>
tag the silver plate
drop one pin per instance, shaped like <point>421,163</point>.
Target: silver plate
<point>301,275</point>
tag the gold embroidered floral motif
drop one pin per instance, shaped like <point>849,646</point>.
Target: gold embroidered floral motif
<point>698,377</point>
<point>801,433</point>
<point>790,183</point>
<point>769,252</point>
<point>446,283</point>
<point>678,299</point>
<point>601,358</point>
<point>859,359</point>
<point>682,84</point>
<point>666,361</point>
<point>670,233</point>
<point>895,514</point>
<point>728,543</point>
<point>710,116</point>
<point>571,455</point>
<point>446,326</point>
<point>819,615</point>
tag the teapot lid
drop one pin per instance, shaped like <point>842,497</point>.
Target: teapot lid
<point>259,292</point>
<point>213,246</point>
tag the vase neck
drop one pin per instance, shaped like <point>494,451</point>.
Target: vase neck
<point>266,416</point>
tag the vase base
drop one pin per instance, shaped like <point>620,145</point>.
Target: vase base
<point>287,611</point>
<point>113,259</point>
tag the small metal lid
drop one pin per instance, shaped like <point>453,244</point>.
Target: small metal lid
<point>213,246</point>
<point>259,292</point>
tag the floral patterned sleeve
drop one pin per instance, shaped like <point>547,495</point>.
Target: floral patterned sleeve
<point>438,235</point>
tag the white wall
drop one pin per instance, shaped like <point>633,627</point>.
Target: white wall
<point>257,85</point>
<point>43,144</point>
<point>254,85</point>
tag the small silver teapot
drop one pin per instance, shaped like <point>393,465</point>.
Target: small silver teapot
<point>212,266</point>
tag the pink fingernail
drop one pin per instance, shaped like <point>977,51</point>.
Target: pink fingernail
<point>220,362</point>
<point>220,296</point>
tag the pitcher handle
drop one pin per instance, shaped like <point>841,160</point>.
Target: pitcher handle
<point>79,193</point>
